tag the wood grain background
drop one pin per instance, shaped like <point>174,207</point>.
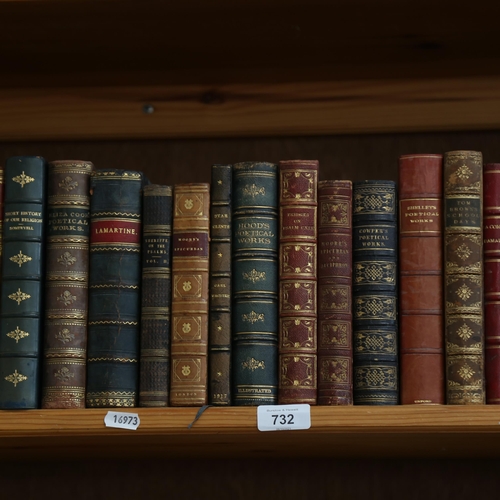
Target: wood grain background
<point>354,157</point>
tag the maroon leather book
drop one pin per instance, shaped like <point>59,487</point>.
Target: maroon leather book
<point>66,284</point>
<point>297,291</point>
<point>491,227</point>
<point>334,293</point>
<point>421,279</point>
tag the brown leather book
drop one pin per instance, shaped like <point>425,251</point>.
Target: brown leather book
<point>463,279</point>
<point>491,222</point>
<point>190,269</point>
<point>298,282</point>
<point>421,279</point>
<point>156,292</point>
<point>335,292</point>
<point>66,284</point>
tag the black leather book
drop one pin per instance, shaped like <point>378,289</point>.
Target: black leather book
<point>156,296</point>
<point>114,288</point>
<point>375,329</point>
<point>21,300</point>
<point>255,283</point>
<point>219,337</point>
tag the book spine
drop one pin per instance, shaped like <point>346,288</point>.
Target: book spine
<point>1,217</point>
<point>22,282</point>
<point>114,288</point>
<point>298,347</point>
<point>190,268</point>
<point>255,283</point>
<point>421,279</point>
<point>220,286</point>
<point>335,356</point>
<point>491,225</point>
<point>66,284</point>
<point>463,278</point>
<point>156,296</point>
<point>375,350</point>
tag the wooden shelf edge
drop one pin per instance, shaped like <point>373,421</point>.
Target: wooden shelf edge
<point>250,110</point>
<point>239,420</point>
<point>222,433</point>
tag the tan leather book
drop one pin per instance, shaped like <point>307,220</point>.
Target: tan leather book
<point>190,271</point>
<point>463,279</point>
<point>421,279</point>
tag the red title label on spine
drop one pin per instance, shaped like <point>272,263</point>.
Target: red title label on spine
<point>115,231</point>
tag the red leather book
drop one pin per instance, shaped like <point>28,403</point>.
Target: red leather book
<point>297,308</point>
<point>334,293</point>
<point>491,227</point>
<point>190,268</point>
<point>421,279</point>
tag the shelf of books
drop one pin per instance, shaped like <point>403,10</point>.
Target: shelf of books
<point>347,432</point>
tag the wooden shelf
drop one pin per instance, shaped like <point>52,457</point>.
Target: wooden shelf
<point>401,431</point>
<point>85,69</point>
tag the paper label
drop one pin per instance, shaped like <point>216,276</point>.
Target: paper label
<point>122,420</point>
<point>284,417</point>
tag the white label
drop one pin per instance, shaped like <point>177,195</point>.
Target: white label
<point>283,418</point>
<point>122,420</point>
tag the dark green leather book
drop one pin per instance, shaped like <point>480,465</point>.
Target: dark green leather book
<point>1,217</point>
<point>255,283</point>
<point>219,338</point>
<point>114,288</point>
<point>22,282</point>
<point>156,296</point>
<point>375,327</point>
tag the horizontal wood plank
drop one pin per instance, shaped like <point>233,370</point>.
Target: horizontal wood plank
<point>250,110</point>
<point>120,42</point>
<point>403,431</point>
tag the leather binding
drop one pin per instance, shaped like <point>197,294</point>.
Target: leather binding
<point>335,293</point>
<point>421,279</point>
<point>375,332</point>
<point>491,224</point>
<point>156,296</point>
<point>463,278</point>
<point>219,338</point>
<point>66,284</point>
<point>114,288</point>
<point>255,283</point>
<point>190,268</point>
<point>21,302</point>
<point>1,216</point>
<point>298,347</point>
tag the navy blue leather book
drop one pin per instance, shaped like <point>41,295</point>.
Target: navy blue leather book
<point>219,337</point>
<point>114,288</point>
<point>375,350</point>
<point>156,296</point>
<point>255,283</point>
<point>22,282</point>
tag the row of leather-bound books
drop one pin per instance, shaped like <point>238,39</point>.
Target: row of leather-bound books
<point>264,286</point>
